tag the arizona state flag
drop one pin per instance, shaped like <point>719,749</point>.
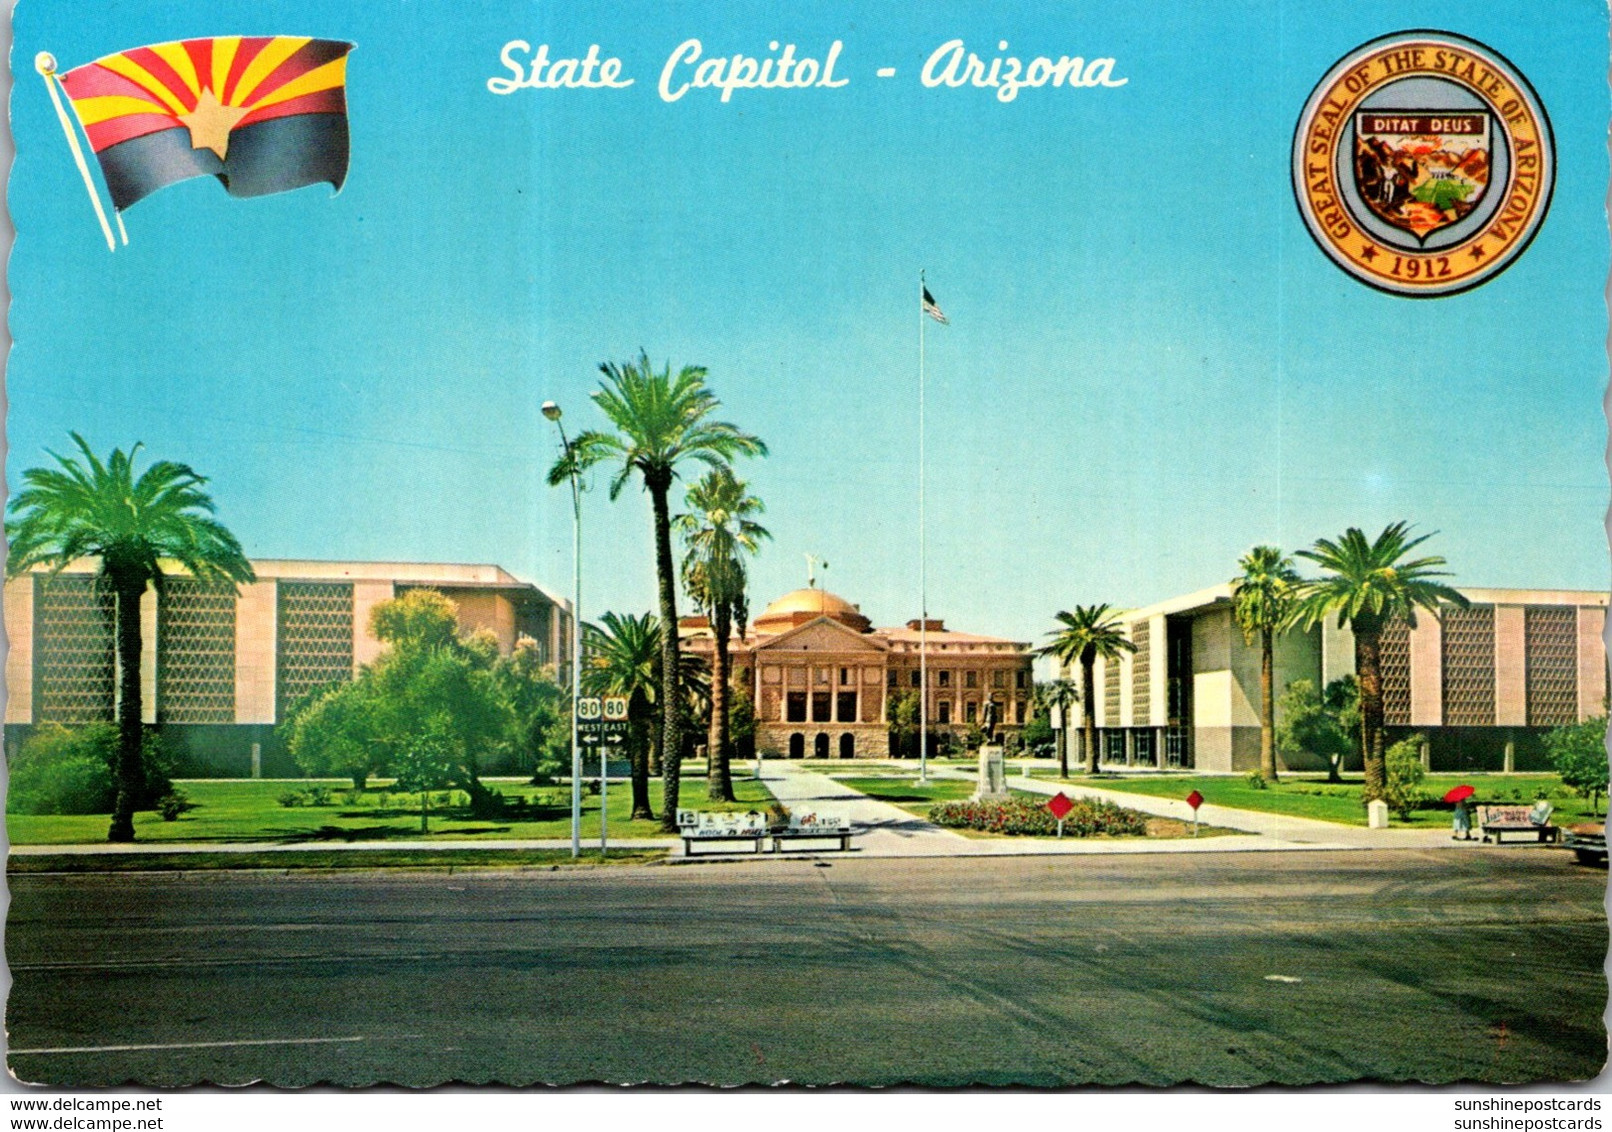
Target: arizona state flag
<point>263,114</point>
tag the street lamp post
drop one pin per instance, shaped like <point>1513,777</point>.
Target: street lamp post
<point>552,412</point>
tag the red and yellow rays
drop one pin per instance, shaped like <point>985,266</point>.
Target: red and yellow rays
<point>208,86</point>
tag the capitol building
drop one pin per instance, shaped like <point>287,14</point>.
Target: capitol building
<point>822,677</point>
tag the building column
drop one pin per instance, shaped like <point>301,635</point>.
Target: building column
<point>1511,751</point>
<point>1510,667</point>
<point>19,621</point>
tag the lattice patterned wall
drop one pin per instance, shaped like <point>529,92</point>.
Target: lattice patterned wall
<point>74,668</point>
<point>1111,692</point>
<point>195,652</point>
<point>315,627</point>
<point>1396,673</point>
<point>1468,666</point>
<point>1551,648</point>
<point>1141,672</point>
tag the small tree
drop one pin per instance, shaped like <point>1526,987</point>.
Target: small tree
<point>427,763</point>
<point>1578,752</point>
<point>902,712</point>
<point>336,734</point>
<point>1403,790</point>
<point>1312,724</point>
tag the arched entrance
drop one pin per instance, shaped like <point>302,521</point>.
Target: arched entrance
<point>847,746</point>
<point>797,746</point>
<point>820,747</point>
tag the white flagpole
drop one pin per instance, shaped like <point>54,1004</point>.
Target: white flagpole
<point>923,562</point>
<point>45,63</point>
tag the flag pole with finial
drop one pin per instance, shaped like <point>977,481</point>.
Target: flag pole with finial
<point>923,556</point>
<point>45,63</point>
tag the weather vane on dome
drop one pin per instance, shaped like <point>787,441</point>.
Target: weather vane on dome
<point>814,564</point>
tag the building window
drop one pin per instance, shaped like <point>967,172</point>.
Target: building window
<point>1144,748</point>
<point>795,708</point>
<point>1550,635</point>
<point>846,707</point>
<point>1018,711</point>
<point>1113,746</point>
<point>820,707</point>
<point>916,676</point>
<point>1469,666</point>
<point>944,676</point>
<point>944,712</point>
<point>74,667</point>
<point>195,652</point>
<point>820,675</point>
<point>894,678</point>
<point>845,676</point>
<point>970,711</point>
<point>315,622</point>
<point>971,679</point>
<point>999,679</point>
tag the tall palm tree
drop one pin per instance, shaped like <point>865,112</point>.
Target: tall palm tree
<point>718,532</point>
<point>1089,632</point>
<point>1368,584</point>
<point>1262,600</point>
<point>89,508</point>
<point>1062,694</point>
<point>621,658</point>
<point>661,422</point>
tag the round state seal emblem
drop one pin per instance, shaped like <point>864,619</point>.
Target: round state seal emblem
<point>1423,163</point>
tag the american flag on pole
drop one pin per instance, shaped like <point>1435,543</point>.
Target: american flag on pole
<point>932,309</point>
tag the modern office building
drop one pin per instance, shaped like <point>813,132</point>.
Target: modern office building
<point>822,677</point>
<point>1483,684</point>
<point>219,670</point>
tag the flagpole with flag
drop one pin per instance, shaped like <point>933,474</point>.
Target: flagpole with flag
<point>927,307</point>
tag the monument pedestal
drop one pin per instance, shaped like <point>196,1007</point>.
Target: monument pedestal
<point>992,783</point>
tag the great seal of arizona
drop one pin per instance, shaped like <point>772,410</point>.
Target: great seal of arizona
<point>1423,163</point>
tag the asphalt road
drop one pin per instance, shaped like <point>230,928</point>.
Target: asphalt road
<point>1230,969</point>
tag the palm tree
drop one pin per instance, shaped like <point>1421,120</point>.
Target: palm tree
<point>1062,694</point>
<point>719,532</point>
<point>1091,631</point>
<point>1368,585</point>
<point>87,508</point>
<point>1262,600</point>
<point>621,658</point>
<point>660,423</point>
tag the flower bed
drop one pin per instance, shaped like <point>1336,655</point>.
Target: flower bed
<point>1088,818</point>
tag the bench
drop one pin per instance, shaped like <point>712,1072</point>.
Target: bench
<point>723,828</point>
<point>814,827</point>
<point>1497,821</point>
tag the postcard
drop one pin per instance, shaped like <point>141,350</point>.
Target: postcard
<point>843,545</point>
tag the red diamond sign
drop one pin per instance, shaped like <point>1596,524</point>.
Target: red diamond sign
<point>1194,800</point>
<point>1060,805</point>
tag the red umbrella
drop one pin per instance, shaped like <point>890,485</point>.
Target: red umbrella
<point>1460,794</point>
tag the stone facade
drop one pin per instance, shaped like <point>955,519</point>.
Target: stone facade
<point>218,671</point>
<point>1481,684</point>
<point>822,676</point>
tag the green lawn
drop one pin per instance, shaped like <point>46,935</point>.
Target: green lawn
<point>239,810</point>
<point>1314,797</point>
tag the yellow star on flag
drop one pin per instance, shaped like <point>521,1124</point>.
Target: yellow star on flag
<point>211,122</point>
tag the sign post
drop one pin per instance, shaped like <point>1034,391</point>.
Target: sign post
<point>1194,800</point>
<point>1060,805</point>
<point>590,727</point>
<point>614,733</point>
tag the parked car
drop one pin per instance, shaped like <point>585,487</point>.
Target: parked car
<point>1587,840</point>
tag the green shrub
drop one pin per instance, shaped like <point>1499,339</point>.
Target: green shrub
<point>1025,818</point>
<point>319,796</point>
<point>171,805</point>
<point>62,770</point>
<point>1256,781</point>
<point>1403,791</point>
<point>292,798</point>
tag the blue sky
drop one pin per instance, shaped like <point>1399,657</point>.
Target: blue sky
<point>1150,365</point>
